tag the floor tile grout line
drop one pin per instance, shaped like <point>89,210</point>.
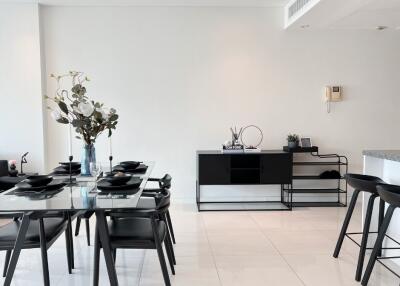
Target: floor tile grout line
<point>141,266</point>
<point>211,249</point>
<point>280,254</point>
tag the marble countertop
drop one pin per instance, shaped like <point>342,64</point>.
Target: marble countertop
<point>393,155</point>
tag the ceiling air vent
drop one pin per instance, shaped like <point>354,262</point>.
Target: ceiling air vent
<point>296,6</point>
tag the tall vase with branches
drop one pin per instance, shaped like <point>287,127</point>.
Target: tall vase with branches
<point>88,117</point>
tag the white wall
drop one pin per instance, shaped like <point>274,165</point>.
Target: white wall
<point>180,77</point>
<point>21,117</point>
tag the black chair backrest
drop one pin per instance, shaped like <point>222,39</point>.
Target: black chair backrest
<point>390,194</point>
<point>165,182</point>
<point>363,183</point>
<point>163,200</point>
<point>3,168</point>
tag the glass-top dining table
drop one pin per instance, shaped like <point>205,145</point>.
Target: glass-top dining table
<point>81,196</point>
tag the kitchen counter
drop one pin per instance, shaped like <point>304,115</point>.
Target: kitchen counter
<point>393,155</point>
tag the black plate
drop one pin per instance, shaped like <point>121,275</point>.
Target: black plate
<point>133,183</point>
<point>140,169</point>
<point>66,167</point>
<point>62,170</point>
<point>54,185</point>
<point>39,180</point>
<point>73,164</point>
<point>118,180</point>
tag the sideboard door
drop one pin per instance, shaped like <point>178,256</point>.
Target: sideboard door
<point>214,169</point>
<point>276,168</point>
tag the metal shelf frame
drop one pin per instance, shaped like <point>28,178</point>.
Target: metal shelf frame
<point>341,163</point>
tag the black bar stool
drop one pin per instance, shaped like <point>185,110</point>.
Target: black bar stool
<point>360,183</point>
<point>391,195</point>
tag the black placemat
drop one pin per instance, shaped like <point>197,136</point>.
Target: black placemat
<point>119,192</point>
<point>53,185</point>
<point>32,194</point>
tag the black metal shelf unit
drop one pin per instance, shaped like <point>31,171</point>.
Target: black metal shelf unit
<point>340,162</point>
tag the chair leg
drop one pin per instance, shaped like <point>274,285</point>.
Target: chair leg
<point>168,244</point>
<point>364,240</point>
<point>87,231</point>
<point>164,217</point>
<point>77,226</point>
<point>378,245</point>
<point>96,258</point>
<point>6,262</point>
<point>68,248</point>
<point>160,253</point>
<point>115,254</point>
<point>170,227</point>
<point>346,223</point>
<point>43,249</point>
<point>17,248</point>
<point>71,241</point>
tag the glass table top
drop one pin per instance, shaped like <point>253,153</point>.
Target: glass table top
<point>82,196</point>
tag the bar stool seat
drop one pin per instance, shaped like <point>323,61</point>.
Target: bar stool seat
<point>360,183</point>
<point>391,195</point>
<point>365,183</point>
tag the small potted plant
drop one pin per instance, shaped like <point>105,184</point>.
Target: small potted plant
<point>293,140</point>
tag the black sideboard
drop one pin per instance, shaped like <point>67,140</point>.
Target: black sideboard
<point>269,167</point>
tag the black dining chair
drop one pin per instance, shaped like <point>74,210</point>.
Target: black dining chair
<point>164,183</point>
<point>84,216</point>
<point>42,232</point>
<point>139,229</point>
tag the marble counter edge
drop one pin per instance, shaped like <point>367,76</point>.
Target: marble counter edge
<point>393,155</point>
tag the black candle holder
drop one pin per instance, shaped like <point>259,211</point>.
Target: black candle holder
<point>70,169</point>
<point>110,158</point>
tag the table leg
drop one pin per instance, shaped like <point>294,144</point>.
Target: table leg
<point>19,242</point>
<point>105,243</point>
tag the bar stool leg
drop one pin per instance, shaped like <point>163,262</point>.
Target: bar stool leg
<point>364,240</point>
<point>346,223</point>
<point>378,245</point>
<point>380,218</point>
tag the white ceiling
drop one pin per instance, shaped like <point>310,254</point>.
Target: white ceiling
<point>252,3</point>
<point>326,14</point>
<point>352,14</point>
<point>372,14</point>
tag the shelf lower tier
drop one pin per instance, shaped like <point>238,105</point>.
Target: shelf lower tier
<point>319,163</point>
<point>317,191</point>
<point>317,204</point>
<point>314,178</point>
<point>243,206</point>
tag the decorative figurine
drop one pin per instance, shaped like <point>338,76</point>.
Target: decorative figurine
<point>13,172</point>
<point>23,161</point>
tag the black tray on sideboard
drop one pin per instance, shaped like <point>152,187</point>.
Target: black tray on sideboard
<point>301,149</point>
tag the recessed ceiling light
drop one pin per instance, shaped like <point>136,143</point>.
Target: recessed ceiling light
<point>305,26</point>
<point>380,28</point>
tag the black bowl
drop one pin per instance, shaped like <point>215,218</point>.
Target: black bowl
<point>118,180</point>
<point>40,180</point>
<point>130,164</point>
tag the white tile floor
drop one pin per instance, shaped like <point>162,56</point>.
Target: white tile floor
<point>224,248</point>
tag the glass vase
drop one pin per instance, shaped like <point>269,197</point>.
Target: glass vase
<point>88,156</point>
